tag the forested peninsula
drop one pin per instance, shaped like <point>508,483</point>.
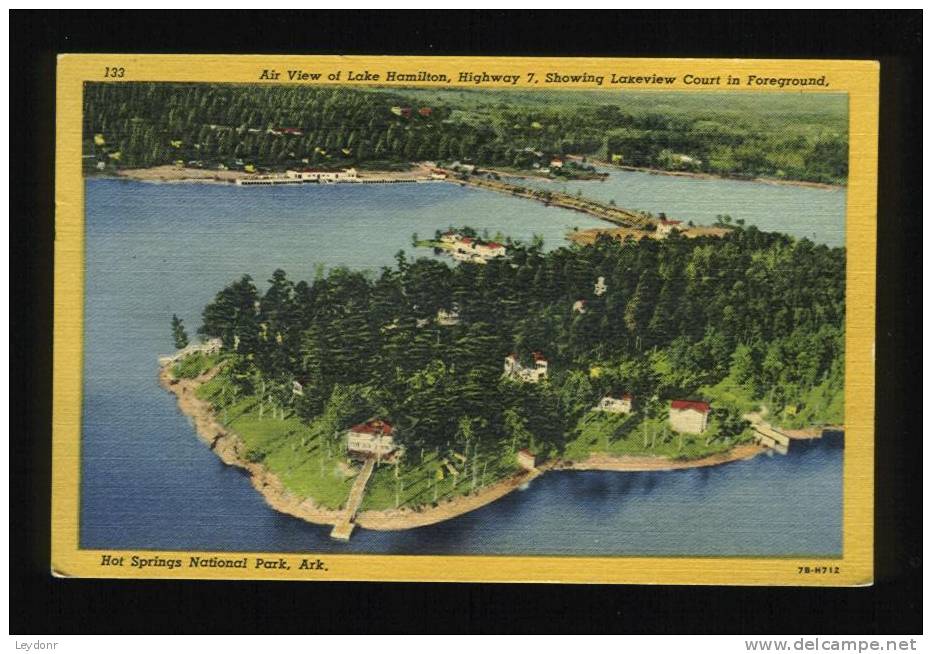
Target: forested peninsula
<point>749,322</point>
<point>229,127</point>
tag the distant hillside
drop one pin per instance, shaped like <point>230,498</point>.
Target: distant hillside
<point>801,137</point>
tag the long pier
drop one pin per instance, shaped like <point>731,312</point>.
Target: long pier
<point>617,215</point>
<point>344,528</point>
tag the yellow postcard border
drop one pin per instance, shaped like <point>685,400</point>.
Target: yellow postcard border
<point>859,79</point>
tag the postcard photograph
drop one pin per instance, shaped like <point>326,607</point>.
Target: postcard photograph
<point>460,318</point>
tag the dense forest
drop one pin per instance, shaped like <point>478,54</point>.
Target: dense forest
<point>129,125</point>
<point>746,320</point>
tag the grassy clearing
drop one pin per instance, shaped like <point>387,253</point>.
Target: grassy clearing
<point>310,467</point>
<point>289,448</point>
<point>631,435</point>
<point>414,483</point>
<point>194,365</point>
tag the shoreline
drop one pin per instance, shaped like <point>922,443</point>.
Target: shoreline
<point>711,176</point>
<point>227,445</point>
<point>170,174</point>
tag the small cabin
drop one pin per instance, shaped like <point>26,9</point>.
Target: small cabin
<point>621,404</point>
<point>666,227</point>
<point>526,459</point>
<point>600,287</point>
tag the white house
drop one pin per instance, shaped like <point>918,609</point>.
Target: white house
<point>600,286</point>
<point>688,416</point>
<point>448,317</point>
<point>666,227</point>
<point>489,249</point>
<point>556,163</point>
<point>616,403</point>
<point>373,437</point>
<point>297,388</point>
<point>533,374</point>
<point>579,306</point>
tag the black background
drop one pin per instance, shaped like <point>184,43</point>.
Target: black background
<point>42,604</point>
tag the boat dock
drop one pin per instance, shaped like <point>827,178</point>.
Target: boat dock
<point>343,529</point>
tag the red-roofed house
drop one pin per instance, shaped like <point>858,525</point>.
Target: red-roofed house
<point>489,249</point>
<point>371,437</point>
<point>666,227</point>
<point>689,416</point>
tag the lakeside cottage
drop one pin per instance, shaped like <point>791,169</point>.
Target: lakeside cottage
<point>515,370</point>
<point>666,227</point>
<point>526,459</point>
<point>621,404</point>
<point>373,437</point>
<point>689,416</point>
<point>556,163</point>
<point>466,248</point>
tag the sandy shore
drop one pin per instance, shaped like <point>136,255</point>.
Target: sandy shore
<point>229,447</point>
<point>589,236</point>
<point>170,174</point>
<point>174,174</point>
<point>656,463</point>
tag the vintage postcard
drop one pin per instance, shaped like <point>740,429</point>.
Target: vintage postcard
<point>465,319</point>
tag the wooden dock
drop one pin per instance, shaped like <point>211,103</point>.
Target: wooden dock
<point>343,529</point>
<point>767,435</point>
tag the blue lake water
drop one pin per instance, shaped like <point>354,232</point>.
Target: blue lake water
<point>804,212</point>
<point>149,483</point>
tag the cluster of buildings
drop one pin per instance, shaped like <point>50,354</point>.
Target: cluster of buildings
<point>303,176</point>
<point>473,250</point>
<point>686,416</point>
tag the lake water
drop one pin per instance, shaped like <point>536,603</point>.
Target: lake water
<point>149,483</point>
<point>804,212</point>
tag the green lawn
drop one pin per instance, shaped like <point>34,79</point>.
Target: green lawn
<point>299,456</point>
<point>417,482</point>
<point>289,448</point>
<point>194,364</point>
<point>621,435</point>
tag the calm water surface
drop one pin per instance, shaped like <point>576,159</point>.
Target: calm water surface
<point>149,483</point>
<point>804,212</point>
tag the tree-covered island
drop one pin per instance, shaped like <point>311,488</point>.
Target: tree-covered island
<point>449,355</point>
